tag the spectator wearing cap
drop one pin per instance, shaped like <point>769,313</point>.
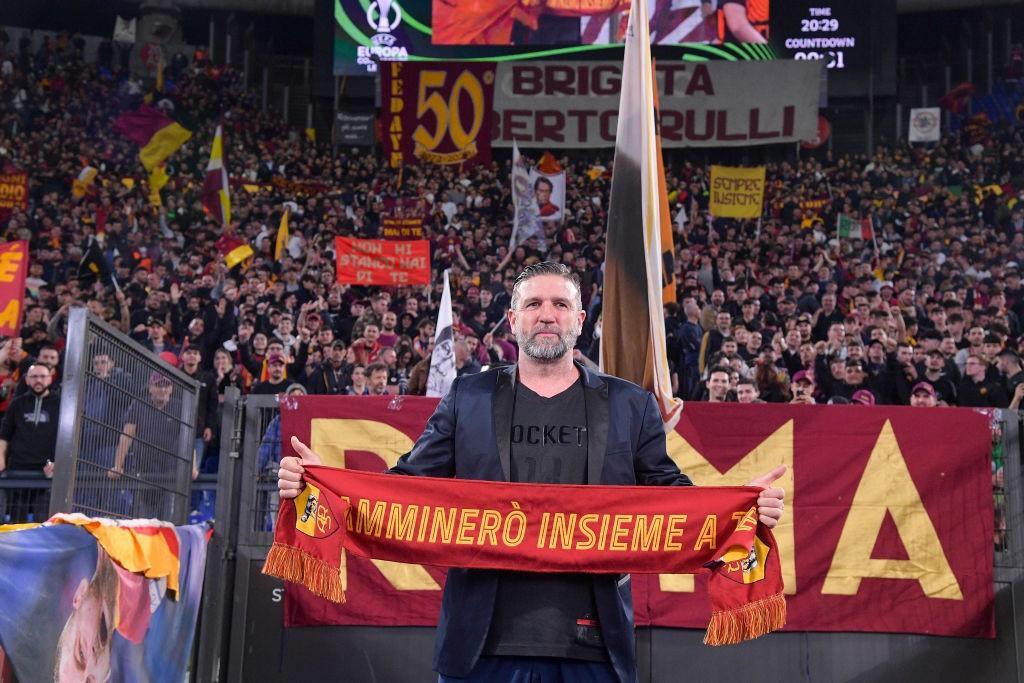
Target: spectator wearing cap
<point>1009,364</point>
<point>922,395</point>
<point>331,376</point>
<point>139,452</point>
<point>862,397</point>
<point>936,375</point>
<point>802,387</point>
<point>206,416</point>
<point>976,389</point>
<point>156,337</point>
<point>277,380</point>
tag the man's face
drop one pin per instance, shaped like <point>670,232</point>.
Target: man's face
<point>160,392</point>
<point>338,355</point>
<point>389,321</point>
<point>547,322</point>
<point>325,336</point>
<point>38,379</point>
<point>729,348</point>
<point>746,393</point>
<point>975,336</point>
<point>372,333</point>
<point>276,371</point>
<point>378,382</point>
<point>543,194</point>
<point>922,399</point>
<point>102,365</point>
<point>190,358</point>
<point>828,301</point>
<point>50,358</point>
<point>904,354</point>
<point>471,344</point>
<point>722,322</point>
<point>718,385</point>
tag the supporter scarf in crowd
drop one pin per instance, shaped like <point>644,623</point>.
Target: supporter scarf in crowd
<point>537,528</point>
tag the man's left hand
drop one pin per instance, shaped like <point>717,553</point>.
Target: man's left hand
<point>772,499</point>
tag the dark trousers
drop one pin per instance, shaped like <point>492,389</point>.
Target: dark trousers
<point>535,670</point>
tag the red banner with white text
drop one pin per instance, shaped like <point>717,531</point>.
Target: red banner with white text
<point>382,262</point>
<point>885,507</point>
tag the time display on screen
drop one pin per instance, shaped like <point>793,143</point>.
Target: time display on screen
<point>821,36</point>
<point>856,39</point>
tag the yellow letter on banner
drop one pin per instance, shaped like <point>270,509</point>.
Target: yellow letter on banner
<point>330,438</point>
<point>776,449</point>
<point>887,486</point>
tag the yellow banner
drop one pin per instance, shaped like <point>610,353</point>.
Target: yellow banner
<point>737,192</point>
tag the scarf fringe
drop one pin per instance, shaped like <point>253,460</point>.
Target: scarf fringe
<point>755,619</point>
<point>297,566</point>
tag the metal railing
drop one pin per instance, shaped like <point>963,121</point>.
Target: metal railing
<point>126,438</point>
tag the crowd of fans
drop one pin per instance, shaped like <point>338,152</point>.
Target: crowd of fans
<point>926,313</point>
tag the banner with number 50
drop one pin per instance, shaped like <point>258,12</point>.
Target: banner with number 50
<point>437,113</point>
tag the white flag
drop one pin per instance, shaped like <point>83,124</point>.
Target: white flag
<point>124,31</point>
<point>442,361</point>
<point>527,218</point>
<point>925,125</point>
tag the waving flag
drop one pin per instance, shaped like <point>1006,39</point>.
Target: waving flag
<point>281,244</point>
<point>442,360</point>
<point>82,185</point>
<point>234,250</point>
<point>526,223</point>
<point>633,341</point>
<point>215,186</point>
<point>157,134</point>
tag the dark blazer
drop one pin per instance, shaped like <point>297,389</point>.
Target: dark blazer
<point>468,437</point>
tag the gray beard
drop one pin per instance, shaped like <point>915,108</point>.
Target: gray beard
<point>546,353</point>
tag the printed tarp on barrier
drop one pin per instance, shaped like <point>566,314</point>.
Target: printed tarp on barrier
<point>885,506</point>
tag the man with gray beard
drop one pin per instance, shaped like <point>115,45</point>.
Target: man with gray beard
<point>544,420</point>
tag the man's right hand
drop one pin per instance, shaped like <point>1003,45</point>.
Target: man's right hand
<point>289,477</point>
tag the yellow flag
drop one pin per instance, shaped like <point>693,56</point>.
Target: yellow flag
<point>282,237</point>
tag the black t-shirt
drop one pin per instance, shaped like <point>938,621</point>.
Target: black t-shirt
<point>547,615</point>
<point>30,429</point>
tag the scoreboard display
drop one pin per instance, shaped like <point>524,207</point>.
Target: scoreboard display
<point>855,39</point>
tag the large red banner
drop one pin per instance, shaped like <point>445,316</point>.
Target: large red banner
<point>438,113</point>
<point>382,262</point>
<point>888,523</point>
<point>13,270</point>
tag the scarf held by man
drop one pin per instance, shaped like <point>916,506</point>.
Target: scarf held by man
<point>537,528</point>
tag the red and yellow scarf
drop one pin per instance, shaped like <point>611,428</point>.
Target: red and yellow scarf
<point>537,528</point>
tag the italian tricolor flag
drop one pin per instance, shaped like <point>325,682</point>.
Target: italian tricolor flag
<point>855,229</point>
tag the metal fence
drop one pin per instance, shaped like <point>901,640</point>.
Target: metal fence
<point>126,438</point>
